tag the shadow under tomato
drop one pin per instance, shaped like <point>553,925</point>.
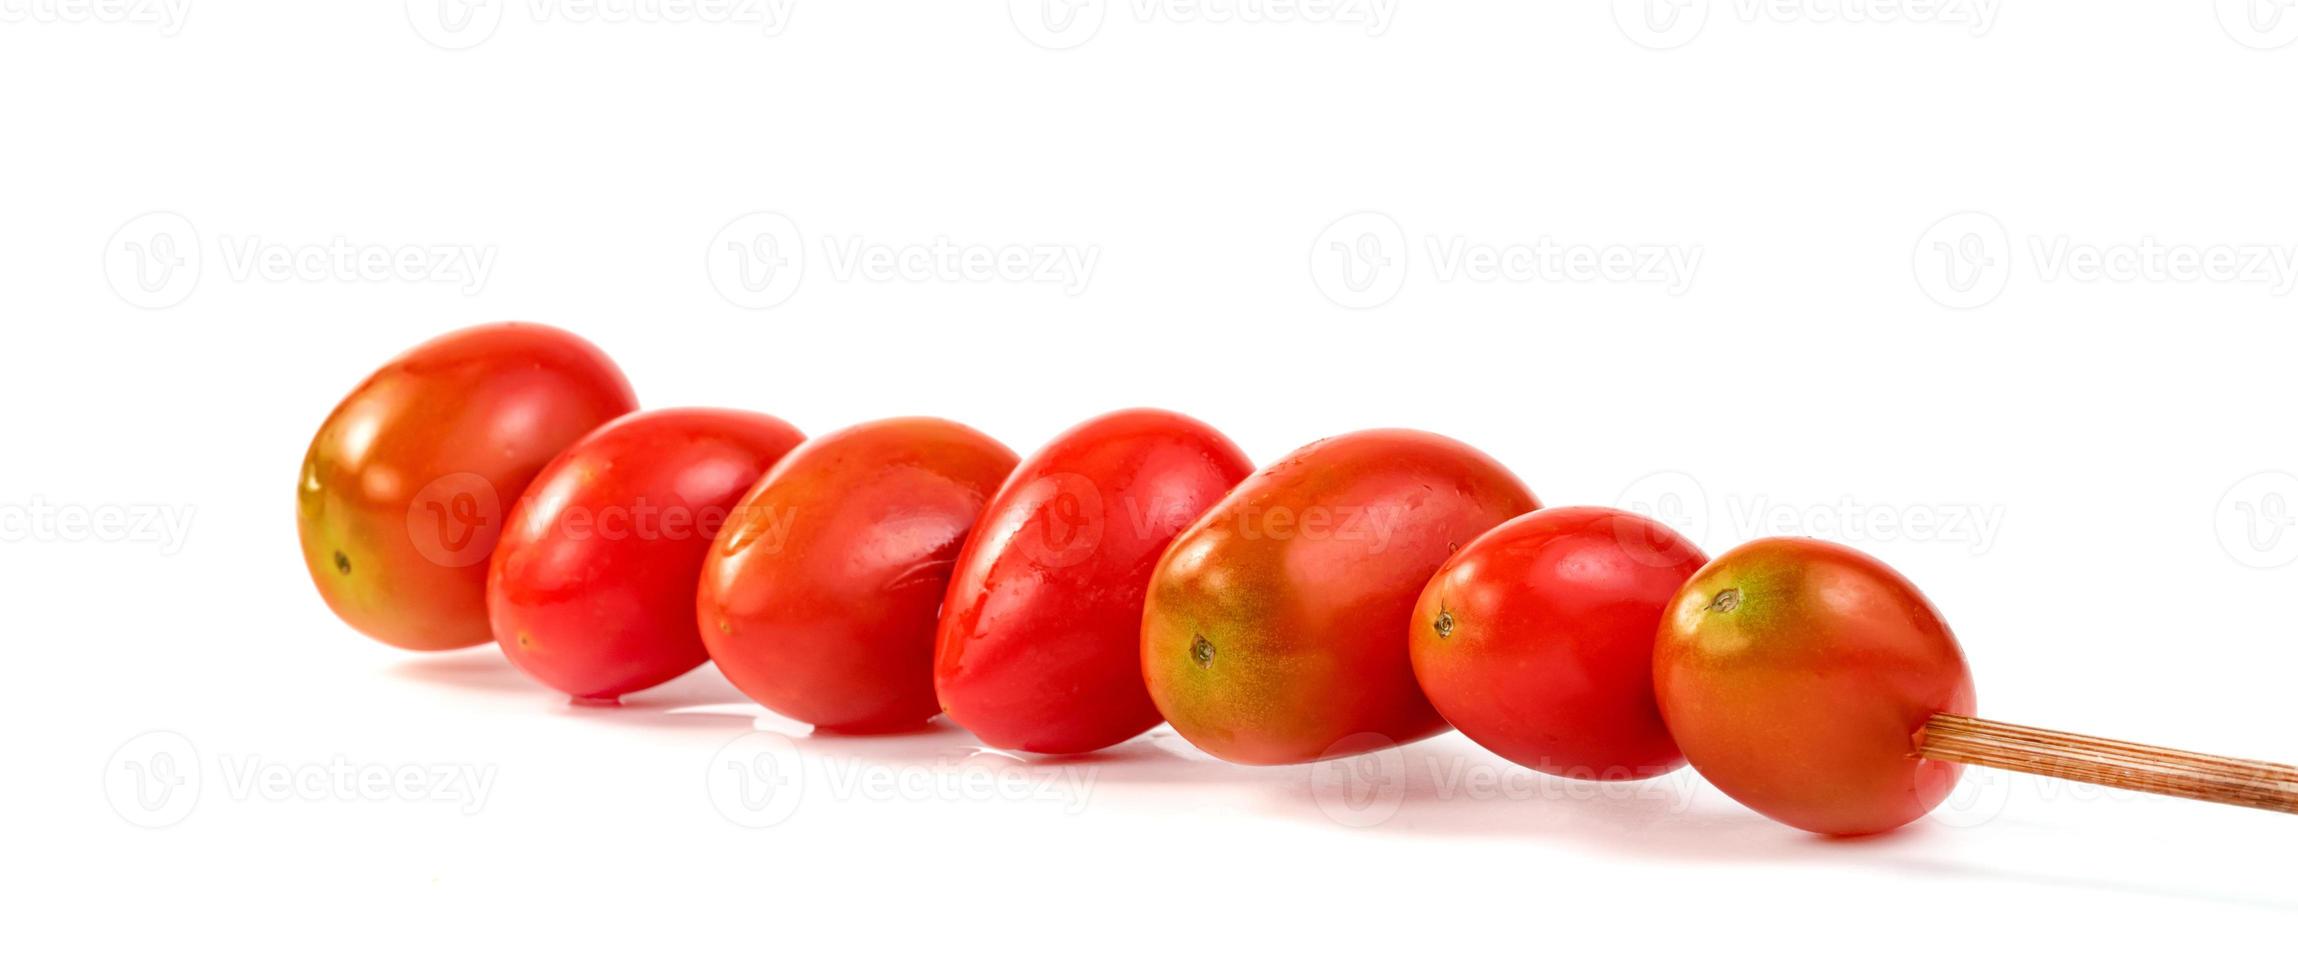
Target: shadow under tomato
<point>937,742</point>
<point>1449,787</point>
<point>1442,787</point>
<point>700,699</point>
<point>1446,787</point>
<point>480,669</point>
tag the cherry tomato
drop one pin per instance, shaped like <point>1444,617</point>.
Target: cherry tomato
<point>819,600</point>
<point>1536,640</point>
<point>1276,624</point>
<point>403,489</point>
<point>1040,642</point>
<point>592,588</point>
<point>1796,674</point>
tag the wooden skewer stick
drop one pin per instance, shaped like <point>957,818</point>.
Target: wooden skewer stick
<point>2106,762</point>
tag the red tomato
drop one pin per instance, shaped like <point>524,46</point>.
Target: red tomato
<point>1040,641</point>
<point>1536,640</point>
<point>819,599</point>
<point>1276,624</point>
<point>402,492</point>
<point>592,589</point>
<point>1796,675</point>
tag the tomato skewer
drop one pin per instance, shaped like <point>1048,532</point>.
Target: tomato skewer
<point>2107,762</point>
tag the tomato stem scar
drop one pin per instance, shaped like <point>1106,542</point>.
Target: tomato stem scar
<point>1444,622</point>
<point>342,563</point>
<point>1201,651</point>
<point>1725,601</point>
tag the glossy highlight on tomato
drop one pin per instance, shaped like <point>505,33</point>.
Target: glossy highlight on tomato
<point>1797,675</point>
<point>403,489</point>
<point>1536,640</point>
<point>820,599</point>
<point>592,587</point>
<point>1039,648</point>
<point>1276,625</point>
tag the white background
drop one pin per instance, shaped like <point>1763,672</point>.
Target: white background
<point>1848,358</point>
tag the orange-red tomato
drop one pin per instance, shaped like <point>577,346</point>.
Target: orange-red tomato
<point>1275,626</point>
<point>1536,640</point>
<point>1040,641</point>
<point>1797,674</point>
<point>592,588</point>
<point>819,599</point>
<point>403,489</point>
